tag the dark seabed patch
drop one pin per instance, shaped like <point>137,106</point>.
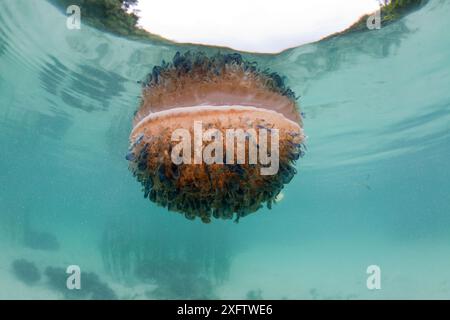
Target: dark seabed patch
<point>26,271</point>
<point>255,294</point>
<point>184,287</point>
<point>175,280</point>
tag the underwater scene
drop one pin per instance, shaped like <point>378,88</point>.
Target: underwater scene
<point>88,184</point>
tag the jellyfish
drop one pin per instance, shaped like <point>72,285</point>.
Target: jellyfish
<point>215,136</point>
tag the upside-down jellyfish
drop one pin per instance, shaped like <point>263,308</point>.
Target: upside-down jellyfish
<point>215,136</point>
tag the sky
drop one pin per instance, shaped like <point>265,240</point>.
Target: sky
<point>265,26</point>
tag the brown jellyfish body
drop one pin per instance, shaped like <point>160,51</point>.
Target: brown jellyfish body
<point>247,115</point>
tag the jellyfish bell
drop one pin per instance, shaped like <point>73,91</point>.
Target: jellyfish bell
<point>214,137</point>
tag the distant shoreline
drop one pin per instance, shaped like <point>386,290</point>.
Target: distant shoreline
<point>390,13</point>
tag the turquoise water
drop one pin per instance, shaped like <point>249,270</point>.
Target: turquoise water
<point>373,188</point>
